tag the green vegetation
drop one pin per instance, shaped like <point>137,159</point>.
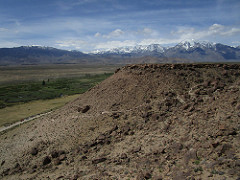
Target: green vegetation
<point>12,114</point>
<point>198,169</point>
<point>47,89</point>
<point>32,89</point>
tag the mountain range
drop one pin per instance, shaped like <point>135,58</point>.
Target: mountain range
<point>192,51</point>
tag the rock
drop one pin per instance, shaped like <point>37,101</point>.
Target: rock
<point>185,107</point>
<point>17,168</point>
<point>144,175</point>
<point>6,172</point>
<point>62,157</point>
<point>126,129</point>
<point>79,109</point>
<point>56,161</point>
<point>34,151</point>
<point>225,149</point>
<point>61,152</point>
<point>83,157</point>
<point>46,160</point>
<point>85,109</point>
<point>99,160</point>
<point>54,154</point>
<point>123,156</point>
<point>147,175</point>
<point>115,115</point>
<point>136,149</point>
<point>75,177</point>
<point>3,162</point>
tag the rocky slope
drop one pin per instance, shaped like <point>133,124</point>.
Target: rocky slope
<point>170,121</point>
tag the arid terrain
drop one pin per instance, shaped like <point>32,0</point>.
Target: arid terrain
<point>166,121</point>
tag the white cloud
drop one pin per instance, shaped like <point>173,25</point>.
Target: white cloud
<point>3,29</point>
<point>215,30</point>
<point>114,44</point>
<point>97,34</point>
<point>76,44</point>
<point>147,31</point>
<point>114,34</point>
<point>158,41</point>
<point>231,32</point>
<point>174,37</point>
<point>8,44</point>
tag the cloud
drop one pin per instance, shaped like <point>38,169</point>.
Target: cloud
<point>3,29</point>
<point>113,34</point>
<point>162,41</point>
<point>68,44</point>
<point>231,32</point>
<point>215,30</point>
<point>8,44</point>
<point>97,34</point>
<point>114,44</point>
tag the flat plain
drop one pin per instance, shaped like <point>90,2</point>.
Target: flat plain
<point>16,74</point>
<point>29,90</point>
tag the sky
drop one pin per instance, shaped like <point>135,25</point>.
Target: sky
<point>90,25</point>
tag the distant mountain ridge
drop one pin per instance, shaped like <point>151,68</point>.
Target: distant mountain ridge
<point>192,51</point>
<point>39,55</point>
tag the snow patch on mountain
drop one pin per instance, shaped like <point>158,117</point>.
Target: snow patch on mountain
<point>133,49</point>
<point>140,49</point>
<point>191,44</point>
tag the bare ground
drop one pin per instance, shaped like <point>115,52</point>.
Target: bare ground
<point>167,121</point>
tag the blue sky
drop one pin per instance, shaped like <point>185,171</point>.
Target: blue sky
<point>89,25</point>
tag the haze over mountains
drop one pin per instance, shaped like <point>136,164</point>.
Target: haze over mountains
<point>193,51</point>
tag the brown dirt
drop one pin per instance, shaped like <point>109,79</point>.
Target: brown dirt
<point>172,121</point>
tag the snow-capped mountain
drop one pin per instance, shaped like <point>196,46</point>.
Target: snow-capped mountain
<point>187,45</point>
<point>139,49</point>
<point>192,50</point>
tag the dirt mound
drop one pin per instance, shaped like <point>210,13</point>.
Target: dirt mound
<point>170,121</point>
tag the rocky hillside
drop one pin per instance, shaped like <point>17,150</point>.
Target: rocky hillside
<point>169,121</point>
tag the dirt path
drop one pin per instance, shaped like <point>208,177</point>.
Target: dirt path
<point>4,128</point>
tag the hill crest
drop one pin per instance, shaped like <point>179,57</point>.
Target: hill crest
<point>159,121</point>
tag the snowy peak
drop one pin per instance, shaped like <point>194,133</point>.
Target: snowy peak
<point>157,48</point>
<point>133,49</point>
<point>192,44</point>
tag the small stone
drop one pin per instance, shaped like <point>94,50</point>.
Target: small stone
<point>46,160</point>
<point>136,149</point>
<point>221,173</point>
<point>17,167</point>
<point>99,160</point>
<point>34,151</point>
<point>54,154</point>
<point>85,109</point>
<point>147,175</point>
<point>56,161</point>
<point>75,177</point>
<point>123,156</point>
<point>3,162</point>
<point>62,157</point>
<point>83,157</point>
